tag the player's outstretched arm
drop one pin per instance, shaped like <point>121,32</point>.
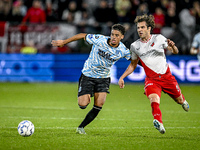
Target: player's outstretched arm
<point>128,71</point>
<point>171,47</point>
<point>61,43</point>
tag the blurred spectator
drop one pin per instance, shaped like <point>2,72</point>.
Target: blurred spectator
<point>113,14</point>
<point>183,4</point>
<point>29,48</point>
<point>142,9</point>
<point>71,14</point>
<point>195,48</point>
<point>171,21</point>
<point>164,4</point>
<point>62,4</point>
<point>105,16</point>
<point>180,21</point>
<point>18,11</point>
<point>130,35</point>
<point>28,3</point>
<point>122,8</point>
<point>171,4</point>
<point>153,4</point>
<point>35,14</point>
<point>87,23</point>
<point>196,6</point>
<point>187,27</point>
<point>91,5</point>
<point>3,36</point>
<point>5,7</point>
<point>134,6</point>
<point>51,13</point>
<point>159,19</point>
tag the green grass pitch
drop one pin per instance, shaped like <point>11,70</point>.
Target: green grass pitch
<point>125,122</point>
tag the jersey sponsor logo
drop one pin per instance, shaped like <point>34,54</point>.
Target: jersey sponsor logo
<point>117,52</point>
<point>153,53</point>
<point>105,55</point>
<point>90,36</point>
<point>96,37</point>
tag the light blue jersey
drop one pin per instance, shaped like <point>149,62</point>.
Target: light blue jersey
<point>196,44</point>
<point>102,56</point>
<point>196,41</point>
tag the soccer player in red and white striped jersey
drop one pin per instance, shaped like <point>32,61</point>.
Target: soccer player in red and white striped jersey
<point>150,51</point>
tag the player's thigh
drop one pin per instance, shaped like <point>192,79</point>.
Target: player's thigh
<point>100,98</point>
<point>102,85</point>
<point>152,87</point>
<point>84,100</point>
<point>85,86</point>
<point>172,89</point>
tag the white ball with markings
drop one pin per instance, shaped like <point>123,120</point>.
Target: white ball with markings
<point>26,128</point>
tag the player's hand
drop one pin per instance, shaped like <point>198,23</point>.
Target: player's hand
<point>170,43</point>
<point>121,83</point>
<point>59,43</point>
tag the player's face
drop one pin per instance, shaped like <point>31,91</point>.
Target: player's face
<point>115,36</point>
<point>143,30</point>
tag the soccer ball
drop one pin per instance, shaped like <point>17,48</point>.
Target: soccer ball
<point>26,128</point>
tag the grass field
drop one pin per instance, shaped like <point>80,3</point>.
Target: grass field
<point>125,122</point>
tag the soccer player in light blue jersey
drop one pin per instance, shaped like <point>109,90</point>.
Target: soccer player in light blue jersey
<point>195,48</point>
<point>95,78</point>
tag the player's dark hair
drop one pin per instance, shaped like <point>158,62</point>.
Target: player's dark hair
<point>148,19</point>
<point>119,27</point>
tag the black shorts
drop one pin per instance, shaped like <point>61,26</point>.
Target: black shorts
<point>88,85</point>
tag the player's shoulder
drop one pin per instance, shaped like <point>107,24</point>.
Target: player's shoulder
<point>197,36</point>
<point>157,36</point>
<point>122,46</point>
<point>135,42</point>
<point>95,36</point>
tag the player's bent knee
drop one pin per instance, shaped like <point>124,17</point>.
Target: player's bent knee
<point>83,107</point>
<point>99,104</point>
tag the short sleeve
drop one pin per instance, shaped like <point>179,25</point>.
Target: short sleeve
<point>133,54</point>
<point>195,42</point>
<point>163,40</point>
<point>93,38</point>
<point>127,54</point>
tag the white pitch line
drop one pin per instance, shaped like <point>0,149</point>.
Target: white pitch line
<point>104,128</point>
<point>70,118</point>
<point>121,110</point>
<point>34,107</point>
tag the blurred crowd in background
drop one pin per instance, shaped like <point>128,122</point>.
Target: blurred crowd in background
<point>178,20</point>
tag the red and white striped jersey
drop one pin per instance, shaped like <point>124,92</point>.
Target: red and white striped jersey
<point>151,53</point>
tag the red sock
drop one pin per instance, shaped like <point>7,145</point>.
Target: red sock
<point>156,111</point>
